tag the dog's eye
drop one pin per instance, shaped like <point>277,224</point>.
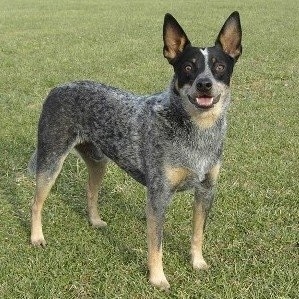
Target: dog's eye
<point>188,68</point>
<point>219,67</point>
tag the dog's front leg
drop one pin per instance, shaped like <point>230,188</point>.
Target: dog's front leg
<point>155,212</point>
<point>203,200</point>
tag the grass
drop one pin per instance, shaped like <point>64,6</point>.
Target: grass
<point>252,236</point>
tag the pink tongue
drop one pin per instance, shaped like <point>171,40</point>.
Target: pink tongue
<point>204,101</point>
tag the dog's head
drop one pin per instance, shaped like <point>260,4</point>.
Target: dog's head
<point>202,75</point>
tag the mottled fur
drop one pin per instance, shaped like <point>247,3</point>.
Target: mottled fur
<point>168,141</point>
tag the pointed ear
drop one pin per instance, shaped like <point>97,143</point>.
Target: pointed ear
<point>174,37</point>
<point>230,35</point>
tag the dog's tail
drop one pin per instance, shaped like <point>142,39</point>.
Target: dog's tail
<point>32,164</point>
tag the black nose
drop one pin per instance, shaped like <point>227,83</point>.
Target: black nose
<point>204,84</point>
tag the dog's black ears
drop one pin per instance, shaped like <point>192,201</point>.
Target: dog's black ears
<point>174,37</point>
<point>230,35</point>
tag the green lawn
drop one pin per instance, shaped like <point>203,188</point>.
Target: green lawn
<point>252,240</point>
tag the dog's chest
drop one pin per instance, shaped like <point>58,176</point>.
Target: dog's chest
<point>191,159</point>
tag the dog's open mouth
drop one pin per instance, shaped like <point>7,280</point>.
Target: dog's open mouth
<point>204,101</point>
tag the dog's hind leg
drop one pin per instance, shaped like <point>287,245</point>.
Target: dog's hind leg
<point>96,170</point>
<point>46,174</point>
<point>203,200</point>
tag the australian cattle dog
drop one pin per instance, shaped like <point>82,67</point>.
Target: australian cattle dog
<point>168,141</point>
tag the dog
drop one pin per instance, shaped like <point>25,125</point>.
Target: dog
<point>168,142</point>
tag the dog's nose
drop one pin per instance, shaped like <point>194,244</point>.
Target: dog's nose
<point>204,84</point>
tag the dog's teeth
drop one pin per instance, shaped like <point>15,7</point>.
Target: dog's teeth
<point>204,101</point>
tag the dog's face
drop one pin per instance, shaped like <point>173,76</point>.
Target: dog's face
<point>202,75</point>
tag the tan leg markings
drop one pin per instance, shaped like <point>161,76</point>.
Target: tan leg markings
<point>199,216</point>
<point>197,259</point>
<point>156,274</point>
<point>96,174</point>
<point>43,187</point>
<point>44,183</point>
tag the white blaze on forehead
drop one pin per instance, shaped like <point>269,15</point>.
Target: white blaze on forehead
<point>204,51</point>
<point>205,54</point>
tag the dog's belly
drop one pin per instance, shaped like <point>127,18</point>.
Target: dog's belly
<point>125,156</point>
<point>132,169</point>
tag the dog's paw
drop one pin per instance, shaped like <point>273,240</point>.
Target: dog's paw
<point>38,241</point>
<point>98,223</point>
<point>160,282</point>
<point>199,264</point>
